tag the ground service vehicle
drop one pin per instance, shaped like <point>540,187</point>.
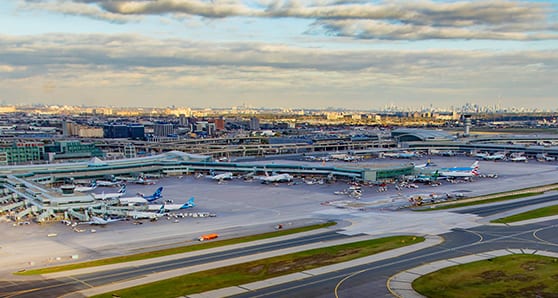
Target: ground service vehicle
<point>207,237</point>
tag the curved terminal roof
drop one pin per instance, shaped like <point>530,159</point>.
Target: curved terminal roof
<point>417,134</point>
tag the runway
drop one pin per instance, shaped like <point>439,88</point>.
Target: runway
<point>486,210</point>
<point>57,287</point>
<point>370,280</point>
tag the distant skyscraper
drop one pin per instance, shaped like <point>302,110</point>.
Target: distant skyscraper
<point>254,123</point>
<point>182,120</point>
<point>163,129</point>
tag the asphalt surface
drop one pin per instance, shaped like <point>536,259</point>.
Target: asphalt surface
<point>362,281</point>
<point>499,208</point>
<point>370,280</point>
<point>57,287</point>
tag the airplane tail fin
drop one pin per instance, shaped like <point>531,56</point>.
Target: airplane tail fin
<point>475,167</point>
<point>156,195</point>
<point>189,204</point>
<point>162,209</point>
<point>122,189</point>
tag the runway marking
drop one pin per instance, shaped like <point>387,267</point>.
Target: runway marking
<point>481,238</point>
<point>346,277</point>
<point>81,281</point>
<point>388,287</point>
<point>427,255</point>
<point>542,240</point>
<point>342,280</point>
<point>154,268</point>
<point>37,289</point>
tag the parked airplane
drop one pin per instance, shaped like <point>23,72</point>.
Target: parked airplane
<point>495,156</point>
<point>91,187</point>
<point>144,214</point>
<point>170,207</point>
<point>106,196</point>
<point>462,172</point>
<point>427,178</point>
<point>223,176</point>
<point>144,181</point>
<point>107,183</point>
<point>275,178</point>
<point>142,199</point>
<point>95,220</point>
<point>544,157</point>
<point>343,157</point>
<point>422,166</point>
<point>401,154</point>
<point>517,157</point>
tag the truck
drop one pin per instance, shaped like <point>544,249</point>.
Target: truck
<point>208,237</point>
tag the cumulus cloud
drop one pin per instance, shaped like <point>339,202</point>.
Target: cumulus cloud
<point>78,8</point>
<point>499,19</point>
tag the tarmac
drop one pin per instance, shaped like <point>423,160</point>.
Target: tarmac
<point>400,285</point>
<point>429,241</point>
<point>238,203</point>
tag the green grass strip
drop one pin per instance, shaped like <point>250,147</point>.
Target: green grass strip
<point>480,202</point>
<point>174,250</point>
<point>536,213</point>
<point>263,269</point>
<point>507,276</point>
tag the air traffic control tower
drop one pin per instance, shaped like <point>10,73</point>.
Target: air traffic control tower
<point>467,125</point>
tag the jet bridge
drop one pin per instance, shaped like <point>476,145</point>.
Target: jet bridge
<point>7,198</point>
<point>12,206</point>
<point>25,212</point>
<point>79,216</point>
<point>45,215</point>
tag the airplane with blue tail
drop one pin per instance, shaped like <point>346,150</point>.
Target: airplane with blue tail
<point>142,199</point>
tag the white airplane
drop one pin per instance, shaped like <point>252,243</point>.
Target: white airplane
<point>95,220</point>
<point>171,207</point>
<point>142,199</point>
<point>223,176</point>
<point>107,196</point>
<point>462,172</point>
<point>401,154</point>
<point>495,156</point>
<point>91,187</point>
<point>422,166</point>
<point>480,155</point>
<point>144,214</point>
<point>275,178</point>
<point>544,157</point>
<point>518,157</point>
<point>144,181</point>
<point>107,183</point>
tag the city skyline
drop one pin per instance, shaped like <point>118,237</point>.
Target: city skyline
<point>294,54</point>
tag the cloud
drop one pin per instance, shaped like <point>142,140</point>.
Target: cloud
<point>499,19</point>
<point>134,69</point>
<point>381,30</point>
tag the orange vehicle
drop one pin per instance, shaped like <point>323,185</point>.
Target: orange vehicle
<point>208,237</point>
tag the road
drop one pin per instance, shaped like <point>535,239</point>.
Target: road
<point>370,280</point>
<point>57,287</point>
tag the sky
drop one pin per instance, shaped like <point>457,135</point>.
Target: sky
<point>352,54</point>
